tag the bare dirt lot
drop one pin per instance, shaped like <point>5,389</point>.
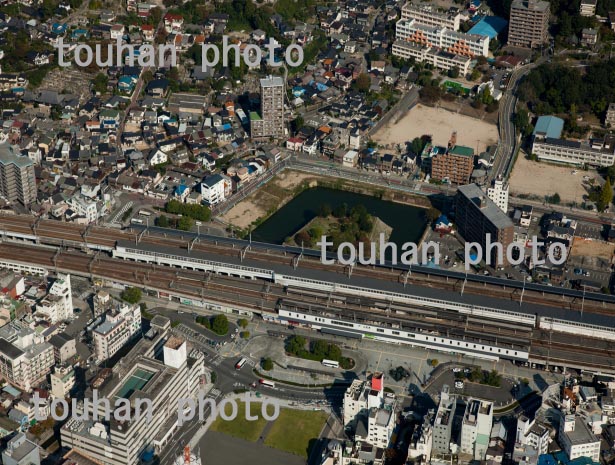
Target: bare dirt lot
<point>440,124</point>
<point>278,191</point>
<point>586,248</point>
<point>541,179</point>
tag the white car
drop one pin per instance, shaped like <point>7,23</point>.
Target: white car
<point>459,384</point>
<point>456,370</point>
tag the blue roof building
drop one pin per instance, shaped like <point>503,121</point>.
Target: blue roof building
<point>549,126</point>
<point>489,26</point>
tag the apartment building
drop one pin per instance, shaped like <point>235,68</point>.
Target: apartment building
<point>380,426</point>
<point>529,22</point>
<point>577,439</point>
<point>120,326</point>
<point>595,152</point>
<point>456,43</point>
<point>361,397</point>
<point>17,179</point>
<point>439,59</point>
<point>429,15</point>
<point>454,166</point>
<point>216,188</point>
<point>477,215</point>
<point>609,120</point>
<point>270,122</point>
<point>498,192</point>
<point>64,347</point>
<point>58,305</point>
<point>476,428</point>
<point>25,366</point>
<point>164,379</point>
<point>443,423</point>
<point>62,381</point>
<point>588,7</point>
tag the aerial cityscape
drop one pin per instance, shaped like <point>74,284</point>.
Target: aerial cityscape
<point>287,232</point>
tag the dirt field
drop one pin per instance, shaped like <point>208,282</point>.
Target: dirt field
<point>542,179</point>
<point>440,124</point>
<point>584,248</point>
<point>272,195</point>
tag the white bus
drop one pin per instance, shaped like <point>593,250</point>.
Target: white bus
<point>331,363</point>
<point>239,365</point>
<point>267,383</point>
<point>136,221</point>
<point>144,213</point>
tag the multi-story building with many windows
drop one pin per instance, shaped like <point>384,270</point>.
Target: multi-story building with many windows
<point>529,22</point>
<point>429,15</point>
<point>157,368</point>
<point>595,152</point>
<point>454,166</point>
<point>456,43</point>
<point>476,428</point>
<point>120,326</point>
<point>17,179</point>
<point>437,58</point>
<point>25,359</point>
<point>477,216</point>
<point>270,122</point>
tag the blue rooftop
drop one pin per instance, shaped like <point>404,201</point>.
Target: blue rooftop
<point>549,126</point>
<point>489,26</point>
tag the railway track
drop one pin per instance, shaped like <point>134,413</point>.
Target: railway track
<point>262,296</point>
<point>49,229</point>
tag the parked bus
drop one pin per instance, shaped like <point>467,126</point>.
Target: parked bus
<point>239,365</point>
<point>144,213</point>
<point>136,221</point>
<point>331,363</point>
<point>267,383</point>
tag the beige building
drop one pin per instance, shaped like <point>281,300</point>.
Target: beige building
<point>270,122</point>
<point>529,21</point>
<point>429,15</point>
<point>17,179</point>
<point>609,120</point>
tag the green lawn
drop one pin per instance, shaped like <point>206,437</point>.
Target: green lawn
<point>240,427</point>
<point>294,431</point>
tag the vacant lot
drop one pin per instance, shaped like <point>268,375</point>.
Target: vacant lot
<point>240,427</point>
<point>541,179</point>
<point>439,124</point>
<point>295,431</point>
<point>221,449</point>
<point>586,248</point>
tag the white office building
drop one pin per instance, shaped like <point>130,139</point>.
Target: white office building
<point>476,428</point>
<point>215,189</point>
<point>120,326</point>
<point>443,424</point>
<point>84,207</point>
<point>21,451</point>
<point>577,439</point>
<point>533,434</point>
<point>498,192</point>
<point>58,305</point>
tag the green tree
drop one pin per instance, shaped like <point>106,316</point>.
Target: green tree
<point>296,345</point>
<point>267,364</point>
<point>163,221</point>
<point>363,82</point>
<point>185,223</point>
<point>324,210</point>
<point>219,325</point>
<point>242,322</point>
<point>475,75</point>
<point>132,295</point>
<point>245,335</point>
<point>606,195</point>
<point>453,72</point>
<point>99,84</point>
